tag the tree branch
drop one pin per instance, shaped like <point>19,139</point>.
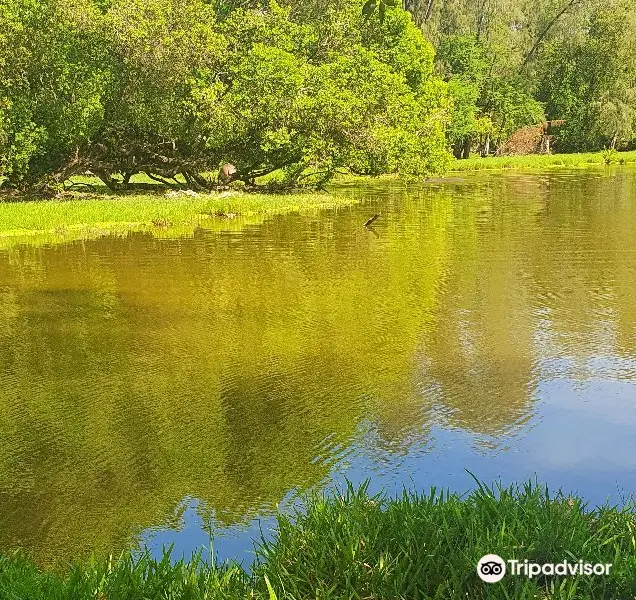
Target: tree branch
<point>162,180</point>
<point>545,32</point>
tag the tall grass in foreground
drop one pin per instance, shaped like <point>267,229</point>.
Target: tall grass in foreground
<point>359,546</point>
<point>539,161</point>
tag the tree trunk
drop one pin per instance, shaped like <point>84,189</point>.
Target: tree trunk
<point>112,184</point>
<point>481,19</point>
<point>201,181</point>
<point>163,181</point>
<point>569,4</point>
<point>429,11</point>
<point>466,148</point>
<point>486,149</point>
<point>126,179</point>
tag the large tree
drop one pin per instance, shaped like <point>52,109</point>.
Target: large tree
<point>508,60</point>
<point>55,69</point>
<point>175,88</point>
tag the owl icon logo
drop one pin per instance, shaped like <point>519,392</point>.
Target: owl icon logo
<point>491,568</point>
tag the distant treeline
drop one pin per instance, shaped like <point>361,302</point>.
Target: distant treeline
<point>514,63</point>
<point>176,88</point>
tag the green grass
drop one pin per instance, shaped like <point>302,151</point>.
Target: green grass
<point>83,216</point>
<point>540,161</point>
<point>358,546</point>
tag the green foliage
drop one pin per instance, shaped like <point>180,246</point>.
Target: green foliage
<point>463,55</point>
<point>522,62</point>
<point>170,87</point>
<point>610,155</point>
<point>397,42</point>
<point>510,106</point>
<point>370,6</point>
<point>463,62</point>
<point>175,88</point>
<point>54,69</point>
<point>484,104</point>
<point>357,545</point>
<point>101,213</point>
<point>130,578</point>
<point>589,80</point>
<point>428,546</point>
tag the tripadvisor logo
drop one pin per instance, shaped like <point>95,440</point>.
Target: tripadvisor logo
<point>492,568</point>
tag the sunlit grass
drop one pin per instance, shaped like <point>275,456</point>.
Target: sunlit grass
<point>538,161</point>
<point>84,216</point>
<point>92,212</point>
<point>358,546</point>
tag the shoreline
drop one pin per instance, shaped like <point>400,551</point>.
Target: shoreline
<point>542,161</point>
<point>79,215</point>
<point>354,544</point>
<point>86,216</point>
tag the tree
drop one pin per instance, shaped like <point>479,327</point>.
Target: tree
<point>590,79</point>
<point>55,68</point>
<point>463,62</point>
<point>170,89</point>
<point>487,105</point>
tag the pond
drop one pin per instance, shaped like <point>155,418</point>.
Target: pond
<point>163,391</point>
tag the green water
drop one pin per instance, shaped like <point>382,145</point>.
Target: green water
<point>485,323</point>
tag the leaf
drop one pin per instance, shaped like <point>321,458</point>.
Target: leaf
<point>272,593</point>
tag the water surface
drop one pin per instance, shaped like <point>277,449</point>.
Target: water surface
<point>153,391</point>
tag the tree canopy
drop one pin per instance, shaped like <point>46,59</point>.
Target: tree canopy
<point>513,63</point>
<point>176,88</point>
<point>304,88</point>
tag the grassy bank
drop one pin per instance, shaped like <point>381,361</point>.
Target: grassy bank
<point>541,161</point>
<point>357,546</point>
<point>83,216</point>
